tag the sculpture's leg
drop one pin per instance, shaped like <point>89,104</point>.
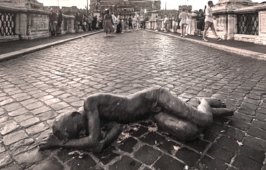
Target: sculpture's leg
<point>180,128</point>
<point>175,106</point>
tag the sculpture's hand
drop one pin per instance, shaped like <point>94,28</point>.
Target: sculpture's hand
<point>50,142</point>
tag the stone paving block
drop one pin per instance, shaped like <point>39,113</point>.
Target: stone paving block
<point>28,102</point>
<point>22,146</point>
<point>145,150</point>
<point>255,143</point>
<point>40,110</point>
<point>251,153</point>
<point>197,144</point>
<point>218,152</point>
<point>23,117</point>
<point>213,163</point>
<point>11,167</point>
<point>62,154</point>
<point>34,105</point>
<point>13,106</point>
<point>128,144</point>
<point>30,122</point>
<point>107,155</point>
<point>169,146</point>
<point>228,143</point>
<point>5,159</point>
<point>7,101</point>
<point>18,112</point>
<point>167,162</point>
<point>8,126</point>
<point>85,163</point>
<point>29,158</point>
<point>126,163</point>
<point>3,119</point>
<point>258,124</point>
<point>234,133</point>
<point>49,164</point>
<point>2,148</point>
<point>138,132</point>
<point>188,156</point>
<point>245,163</point>
<point>22,98</point>
<point>52,101</point>
<point>59,106</point>
<point>239,125</point>
<point>47,115</point>
<point>14,137</point>
<point>256,132</point>
<point>152,138</point>
<point>2,111</point>
<point>210,135</point>
<point>36,128</point>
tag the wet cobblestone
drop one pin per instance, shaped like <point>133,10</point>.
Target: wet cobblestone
<point>37,87</point>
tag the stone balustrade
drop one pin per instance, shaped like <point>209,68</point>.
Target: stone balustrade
<point>21,22</point>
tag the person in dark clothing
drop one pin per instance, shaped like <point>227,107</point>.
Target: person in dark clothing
<point>94,22</point>
<point>200,22</point>
<point>119,24</point>
<point>59,21</point>
<point>53,22</point>
<point>130,26</point>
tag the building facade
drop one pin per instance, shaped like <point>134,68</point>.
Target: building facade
<point>125,7</point>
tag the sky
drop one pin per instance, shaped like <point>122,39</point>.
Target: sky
<point>170,4</point>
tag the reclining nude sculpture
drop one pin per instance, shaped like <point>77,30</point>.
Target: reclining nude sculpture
<point>168,111</point>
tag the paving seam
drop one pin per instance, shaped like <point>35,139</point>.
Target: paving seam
<point>11,55</point>
<point>245,53</point>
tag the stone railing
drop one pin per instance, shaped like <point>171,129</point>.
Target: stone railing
<point>244,23</point>
<point>18,22</point>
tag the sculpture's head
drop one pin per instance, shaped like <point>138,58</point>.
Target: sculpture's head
<point>69,125</point>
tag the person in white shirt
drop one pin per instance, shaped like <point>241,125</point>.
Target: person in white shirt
<point>134,22</point>
<point>165,21</point>
<point>137,17</point>
<point>114,21</point>
<point>183,21</point>
<point>209,22</point>
<point>189,23</point>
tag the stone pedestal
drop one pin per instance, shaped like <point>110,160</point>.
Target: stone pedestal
<point>30,20</point>
<point>225,21</point>
<point>262,29</point>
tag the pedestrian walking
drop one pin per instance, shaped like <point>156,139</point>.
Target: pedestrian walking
<point>84,23</point>
<point>157,23</point>
<point>100,22</point>
<point>209,22</point>
<point>176,21</point>
<point>183,21</point>
<point>200,22</point>
<point>130,20</point>
<point>59,21</point>
<point>189,22</point>
<point>53,21</point>
<point>94,22</point>
<point>108,23</point>
<point>134,22</point>
<point>90,23</point>
<point>114,22</point>
<point>138,21</point>
<point>119,25</point>
<point>165,22</point>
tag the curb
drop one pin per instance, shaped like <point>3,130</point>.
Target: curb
<point>245,53</point>
<point>12,55</point>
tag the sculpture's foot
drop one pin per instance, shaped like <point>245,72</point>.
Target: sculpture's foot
<point>215,103</point>
<point>221,112</point>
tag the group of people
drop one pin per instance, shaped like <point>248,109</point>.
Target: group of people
<point>56,19</point>
<point>87,22</point>
<point>120,24</point>
<point>204,22</point>
<point>184,20</point>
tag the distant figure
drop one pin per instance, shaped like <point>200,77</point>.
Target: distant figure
<point>59,21</point>
<point>108,23</point>
<point>157,23</point>
<point>114,22</point>
<point>209,22</point>
<point>189,22</point>
<point>53,21</point>
<point>130,21</point>
<point>200,22</point>
<point>165,22</point>
<point>183,22</point>
<point>119,25</point>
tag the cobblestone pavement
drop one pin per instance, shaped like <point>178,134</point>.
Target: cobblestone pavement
<point>37,87</point>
